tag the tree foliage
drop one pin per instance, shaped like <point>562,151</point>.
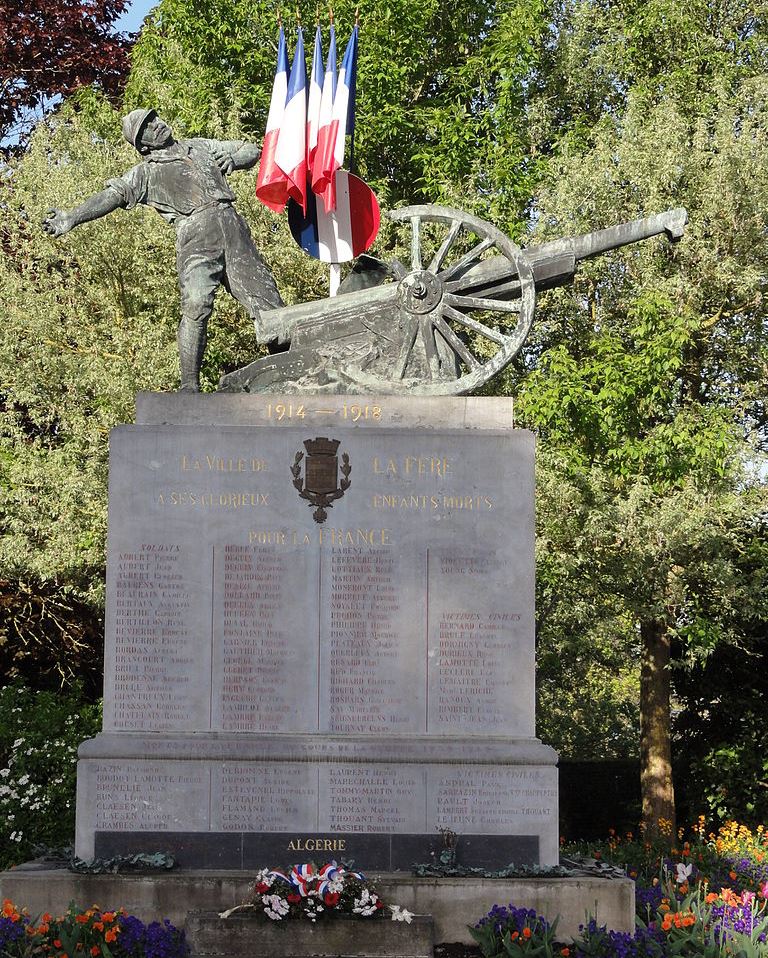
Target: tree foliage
<point>51,48</point>
<point>646,379</point>
<point>441,89</point>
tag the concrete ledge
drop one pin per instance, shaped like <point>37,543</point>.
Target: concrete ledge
<point>325,749</point>
<point>243,936</point>
<point>453,903</point>
<point>337,411</point>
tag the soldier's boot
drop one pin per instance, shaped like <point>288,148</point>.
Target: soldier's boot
<point>192,341</point>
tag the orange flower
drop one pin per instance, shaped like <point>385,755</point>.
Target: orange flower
<point>46,918</point>
<point>98,925</point>
<point>514,935</point>
<point>710,898</point>
<point>111,935</point>
<point>732,875</point>
<point>108,916</point>
<point>664,908</point>
<point>82,919</point>
<point>565,952</point>
<point>57,943</point>
<point>526,932</point>
<point>9,910</point>
<point>95,951</point>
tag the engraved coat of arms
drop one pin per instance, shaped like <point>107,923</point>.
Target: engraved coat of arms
<point>320,484</point>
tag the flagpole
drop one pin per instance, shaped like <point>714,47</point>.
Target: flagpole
<point>334,279</point>
<point>334,269</point>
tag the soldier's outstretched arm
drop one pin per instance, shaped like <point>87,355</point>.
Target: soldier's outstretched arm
<point>59,222</point>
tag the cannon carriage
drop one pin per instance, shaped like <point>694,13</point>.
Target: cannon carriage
<point>445,324</point>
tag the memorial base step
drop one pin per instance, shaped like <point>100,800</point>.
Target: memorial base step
<point>244,936</point>
<point>453,903</point>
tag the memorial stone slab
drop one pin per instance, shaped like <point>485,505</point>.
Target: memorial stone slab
<point>320,623</point>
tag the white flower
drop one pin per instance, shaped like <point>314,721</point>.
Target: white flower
<point>23,780</point>
<point>366,904</point>
<point>19,741</point>
<point>275,907</point>
<point>5,772</point>
<point>400,914</point>
<point>683,873</point>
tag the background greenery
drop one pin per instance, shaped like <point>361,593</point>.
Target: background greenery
<point>646,379</point>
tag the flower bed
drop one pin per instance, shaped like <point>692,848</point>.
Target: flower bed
<point>92,933</point>
<point>704,897</point>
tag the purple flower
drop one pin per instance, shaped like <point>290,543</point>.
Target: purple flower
<point>156,940</point>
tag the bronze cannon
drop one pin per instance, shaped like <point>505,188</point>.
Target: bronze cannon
<point>446,324</point>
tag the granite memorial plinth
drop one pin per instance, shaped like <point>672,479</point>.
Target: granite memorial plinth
<point>319,636</point>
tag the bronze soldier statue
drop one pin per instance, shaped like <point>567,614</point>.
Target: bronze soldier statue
<point>186,183</point>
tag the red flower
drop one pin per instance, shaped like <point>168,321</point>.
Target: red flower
<point>379,904</point>
<point>261,888</point>
<point>331,899</point>
<point>293,899</point>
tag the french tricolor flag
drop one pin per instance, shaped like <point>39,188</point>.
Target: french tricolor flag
<point>325,135</point>
<point>272,184</point>
<point>291,152</point>
<point>315,100</point>
<point>342,122</point>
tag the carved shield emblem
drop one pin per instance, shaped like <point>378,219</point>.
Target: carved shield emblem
<point>320,484</point>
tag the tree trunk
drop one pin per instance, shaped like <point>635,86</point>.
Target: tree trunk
<point>655,731</point>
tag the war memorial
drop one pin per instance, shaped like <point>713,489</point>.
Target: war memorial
<point>320,579</point>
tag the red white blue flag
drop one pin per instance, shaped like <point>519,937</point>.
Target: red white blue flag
<point>315,100</point>
<point>343,122</point>
<point>272,184</point>
<point>291,152</point>
<point>330,156</point>
<point>325,134</point>
<point>344,233</point>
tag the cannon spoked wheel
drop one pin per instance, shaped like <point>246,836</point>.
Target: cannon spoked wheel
<point>453,340</point>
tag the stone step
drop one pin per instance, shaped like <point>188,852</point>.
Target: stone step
<point>248,936</point>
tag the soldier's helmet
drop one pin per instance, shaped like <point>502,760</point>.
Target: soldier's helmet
<point>134,123</point>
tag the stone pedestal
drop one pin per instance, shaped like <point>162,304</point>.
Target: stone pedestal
<point>242,936</point>
<point>319,636</point>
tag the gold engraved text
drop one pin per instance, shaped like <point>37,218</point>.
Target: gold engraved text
<point>317,845</point>
<point>285,410</point>
<point>412,466</point>
<point>356,412</point>
<point>221,464</point>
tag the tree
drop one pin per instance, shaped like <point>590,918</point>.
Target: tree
<point>440,92</point>
<point>51,48</point>
<point>648,377</point>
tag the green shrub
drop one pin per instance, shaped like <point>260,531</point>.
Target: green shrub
<point>39,736</point>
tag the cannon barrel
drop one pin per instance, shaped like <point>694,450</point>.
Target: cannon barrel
<point>554,264</point>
